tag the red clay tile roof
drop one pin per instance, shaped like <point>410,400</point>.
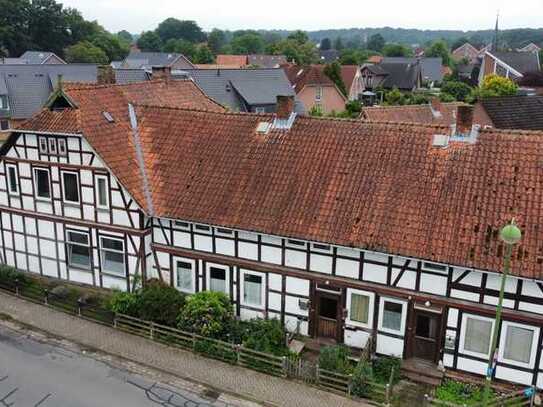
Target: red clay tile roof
<point>301,76</point>
<point>420,114</point>
<point>380,186</point>
<point>348,73</point>
<point>238,60</point>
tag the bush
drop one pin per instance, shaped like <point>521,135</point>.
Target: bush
<point>215,350</point>
<point>124,303</point>
<point>8,276</point>
<point>461,393</point>
<point>336,359</point>
<point>207,313</point>
<point>160,303</point>
<point>382,366</point>
<point>266,335</point>
<point>362,374</point>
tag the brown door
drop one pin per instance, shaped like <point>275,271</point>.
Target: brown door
<point>327,315</point>
<point>426,335</point>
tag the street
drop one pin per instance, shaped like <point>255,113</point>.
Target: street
<point>33,373</point>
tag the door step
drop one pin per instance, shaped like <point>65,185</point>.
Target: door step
<point>422,371</point>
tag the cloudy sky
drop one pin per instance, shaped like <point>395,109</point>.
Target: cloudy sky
<point>140,15</point>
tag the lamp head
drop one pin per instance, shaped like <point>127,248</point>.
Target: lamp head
<point>511,234</point>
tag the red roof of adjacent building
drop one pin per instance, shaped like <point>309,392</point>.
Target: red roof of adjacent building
<point>237,60</point>
<point>378,186</point>
<point>348,73</point>
<point>302,75</point>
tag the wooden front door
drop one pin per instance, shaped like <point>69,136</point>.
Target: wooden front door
<point>328,315</point>
<point>426,334</point>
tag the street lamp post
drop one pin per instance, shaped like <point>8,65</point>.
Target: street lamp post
<point>510,235</point>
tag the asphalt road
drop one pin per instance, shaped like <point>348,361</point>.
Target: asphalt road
<point>35,374</point>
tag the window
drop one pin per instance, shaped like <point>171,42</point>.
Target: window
<point>323,247</point>
<point>112,252</point>
<point>260,110</point>
<point>218,280</point>
<point>62,146</point>
<point>202,228</point>
<point>392,315</point>
<point>4,125</point>
<point>295,243</point>
<point>359,308</point>
<point>13,185</point>
<point>41,183</point>
<point>43,145</point>
<point>185,276</point>
<point>184,225</point>
<point>476,335</point>
<point>71,187</point>
<point>318,93</point>
<point>52,146</point>
<point>517,344</point>
<point>433,266</point>
<point>102,197</point>
<point>4,102</point>
<point>224,231</point>
<point>253,289</point>
<point>78,250</point>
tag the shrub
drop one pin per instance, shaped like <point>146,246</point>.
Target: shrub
<point>382,366</point>
<point>362,374</point>
<point>160,303</point>
<point>266,335</point>
<point>461,393</point>
<point>335,359</point>
<point>207,313</point>
<point>9,274</point>
<point>124,303</point>
<point>215,350</point>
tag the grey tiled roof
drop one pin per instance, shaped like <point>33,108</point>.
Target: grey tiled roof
<point>36,57</point>
<point>127,75</point>
<point>403,76</point>
<point>329,55</point>
<point>431,66</point>
<point>520,61</point>
<point>28,86</point>
<point>515,112</point>
<point>150,59</point>
<point>236,87</point>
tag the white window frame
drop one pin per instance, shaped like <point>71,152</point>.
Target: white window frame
<point>260,110</point>
<point>371,304</point>
<point>4,102</point>
<point>102,257</point>
<point>106,180</point>
<point>262,288</point>
<point>52,145</point>
<point>35,180</point>
<point>403,318</point>
<point>227,275</point>
<point>62,142</point>
<point>461,348</point>
<point>192,263</point>
<point>503,339</point>
<point>88,246</point>
<point>40,145</point>
<point>62,173</point>
<point>8,179</point>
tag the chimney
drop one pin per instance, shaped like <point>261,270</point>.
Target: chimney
<point>435,107</point>
<point>106,75</point>
<point>285,106</point>
<point>464,120</point>
<point>161,72</point>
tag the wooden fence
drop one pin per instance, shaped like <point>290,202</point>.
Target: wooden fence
<point>518,398</point>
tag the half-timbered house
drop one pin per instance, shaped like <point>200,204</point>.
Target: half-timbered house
<point>342,229</point>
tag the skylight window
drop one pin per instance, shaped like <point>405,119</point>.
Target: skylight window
<point>108,117</point>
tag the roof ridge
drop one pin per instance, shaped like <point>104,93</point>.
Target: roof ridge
<point>85,86</point>
<point>411,106</point>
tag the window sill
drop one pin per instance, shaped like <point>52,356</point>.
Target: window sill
<point>72,204</point>
<point>78,268</point>
<point>114,275</point>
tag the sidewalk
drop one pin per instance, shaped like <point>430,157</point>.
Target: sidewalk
<point>232,379</point>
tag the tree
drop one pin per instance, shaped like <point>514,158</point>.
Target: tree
<point>216,40</point>
<point>203,55</point>
<point>302,54</point>
<point>180,29</point>
<point>149,41</point>
<point>439,49</point>
<point>47,26</point>
<point>85,52</point>
<point>349,56</point>
<point>396,50</point>
<point>184,47</point>
<point>459,42</point>
<point>394,97</point>
<point>376,42</point>
<point>338,44</point>
<point>333,71</point>
<point>114,48</point>
<point>459,90</point>
<point>494,85</point>
<point>299,36</point>
<point>249,43</point>
<point>14,36</point>
<point>125,36</point>
<point>326,44</point>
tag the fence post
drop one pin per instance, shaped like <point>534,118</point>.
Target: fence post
<point>317,378</point>
<point>79,305</point>
<point>532,397</point>
<point>115,320</point>
<point>237,348</point>
<point>193,341</point>
<point>152,330</point>
<point>17,286</point>
<point>46,295</point>
<point>285,367</point>
<point>387,395</point>
<point>425,401</point>
<point>349,385</point>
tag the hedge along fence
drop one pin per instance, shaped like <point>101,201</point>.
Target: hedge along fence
<point>518,398</point>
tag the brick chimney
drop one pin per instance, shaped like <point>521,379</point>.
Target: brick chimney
<point>464,120</point>
<point>106,75</point>
<point>161,72</point>
<point>285,106</point>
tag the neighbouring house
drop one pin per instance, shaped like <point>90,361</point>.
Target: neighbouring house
<point>406,76</point>
<point>341,229</point>
<point>328,56</point>
<point>315,89</point>
<point>513,65</point>
<point>532,81</point>
<point>253,60</point>
<point>352,79</point>
<point>24,88</point>
<point>431,67</point>
<point>245,90</point>
<point>511,112</point>
<point>531,47</point>
<point>35,58</point>
<point>130,75</point>
<point>147,60</point>
<point>467,52</point>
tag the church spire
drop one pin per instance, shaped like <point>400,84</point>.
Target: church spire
<point>496,29</point>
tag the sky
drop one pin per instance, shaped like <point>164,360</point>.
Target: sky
<point>140,15</point>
